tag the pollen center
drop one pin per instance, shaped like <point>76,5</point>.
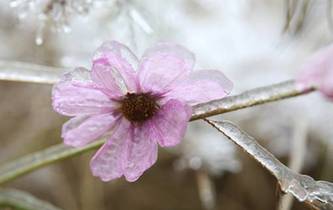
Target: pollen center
<point>138,107</point>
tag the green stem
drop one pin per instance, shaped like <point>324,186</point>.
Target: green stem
<point>42,158</point>
<point>20,200</point>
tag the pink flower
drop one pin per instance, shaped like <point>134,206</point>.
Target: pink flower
<point>137,104</point>
<point>318,72</point>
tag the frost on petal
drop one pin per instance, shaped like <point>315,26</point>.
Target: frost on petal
<point>79,75</point>
<point>318,71</point>
<point>109,80</point>
<point>82,130</point>
<point>72,99</point>
<point>119,63</point>
<point>202,86</point>
<point>164,66</point>
<point>141,152</point>
<point>170,122</point>
<point>107,163</point>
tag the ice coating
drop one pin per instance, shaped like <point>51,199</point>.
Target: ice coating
<point>304,188</point>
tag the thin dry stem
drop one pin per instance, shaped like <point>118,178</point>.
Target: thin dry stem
<point>297,156</point>
<point>206,190</point>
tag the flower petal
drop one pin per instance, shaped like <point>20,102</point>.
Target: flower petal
<point>163,66</point>
<point>170,122</point>
<point>314,69</point>
<point>119,67</point>
<point>141,153</point>
<point>202,86</point>
<point>107,163</point>
<point>71,99</point>
<point>82,130</point>
<point>76,94</point>
<point>108,80</point>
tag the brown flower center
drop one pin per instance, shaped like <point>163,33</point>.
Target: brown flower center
<point>139,107</point>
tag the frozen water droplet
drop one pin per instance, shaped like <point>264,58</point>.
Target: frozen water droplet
<point>39,40</point>
<point>67,29</point>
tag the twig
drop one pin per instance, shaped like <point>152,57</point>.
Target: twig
<point>296,11</point>
<point>249,98</point>
<point>33,161</point>
<point>301,17</point>
<point>290,11</point>
<point>318,194</point>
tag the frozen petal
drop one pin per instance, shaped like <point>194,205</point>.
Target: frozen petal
<point>119,62</point>
<point>107,163</point>
<point>170,122</point>
<point>202,86</point>
<point>163,66</point>
<point>82,130</point>
<point>141,153</point>
<point>118,49</point>
<point>109,80</point>
<point>70,98</point>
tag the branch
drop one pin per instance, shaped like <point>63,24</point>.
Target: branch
<point>318,194</point>
<point>249,98</point>
<point>22,200</point>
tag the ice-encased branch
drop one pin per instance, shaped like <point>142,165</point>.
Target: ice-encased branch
<point>28,72</point>
<point>250,98</point>
<point>316,193</point>
<point>31,162</point>
<point>10,198</point>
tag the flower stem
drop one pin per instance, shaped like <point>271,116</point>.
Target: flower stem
<point>42,158</point>
<point>16,199</point>
<point>56,153</point>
